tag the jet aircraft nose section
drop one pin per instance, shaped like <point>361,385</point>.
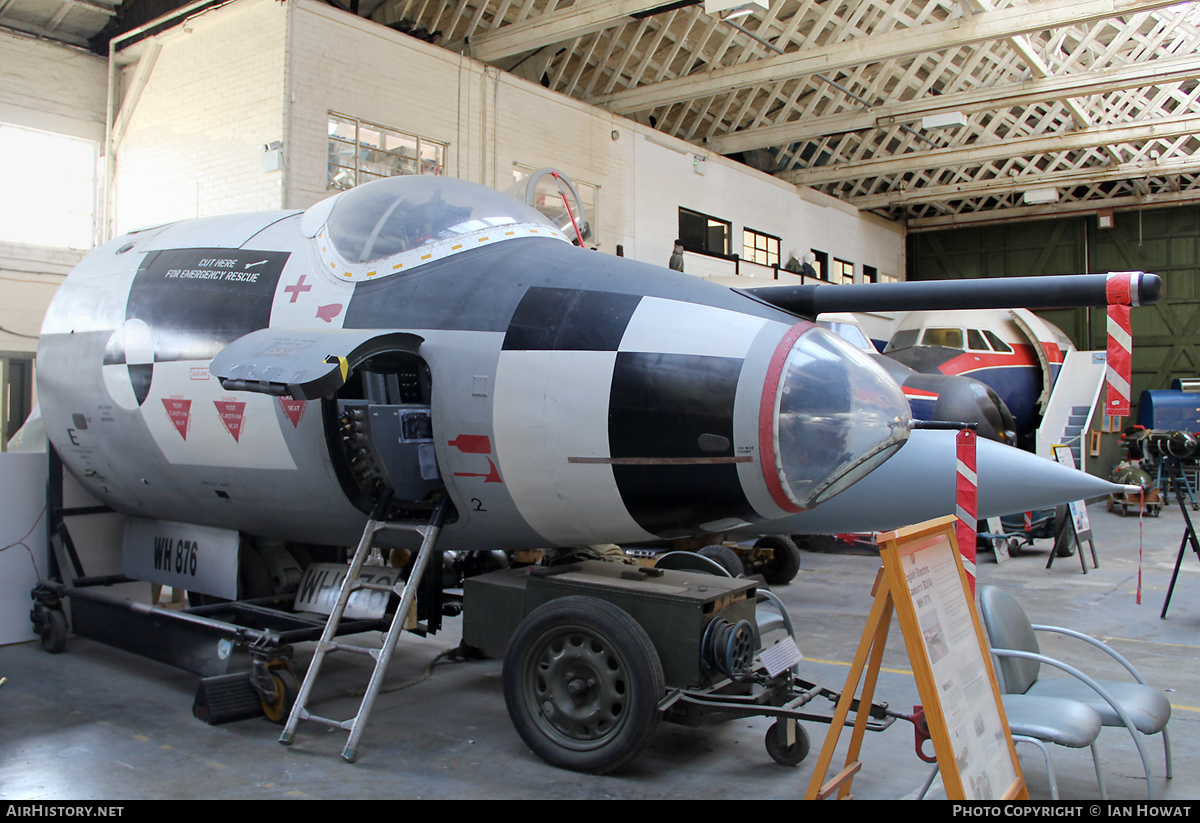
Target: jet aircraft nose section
<point>829,416</point>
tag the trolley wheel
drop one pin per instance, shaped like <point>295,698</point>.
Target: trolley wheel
<point>286,688</point>
<point>726,557</point>
<point>781,751</point>
<point>54,633</point>
<point>582,682</point>
<point>1014,547</point>
<point>776,557</point>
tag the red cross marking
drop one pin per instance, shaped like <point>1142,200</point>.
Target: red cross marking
<point>297,288</point>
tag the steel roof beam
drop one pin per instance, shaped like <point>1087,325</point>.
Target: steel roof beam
<point>1155,72</point>
<point>1012,185</point>
<point>956,31</point>
<point>556,27</point>
<point>972,155</point>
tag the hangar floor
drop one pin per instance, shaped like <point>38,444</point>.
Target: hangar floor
<point>95,723</point>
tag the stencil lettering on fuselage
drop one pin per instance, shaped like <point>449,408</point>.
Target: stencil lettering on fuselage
<point>184,306</point>
<point>197,301</point>
<point>187,304</point>
<point>197,423</point>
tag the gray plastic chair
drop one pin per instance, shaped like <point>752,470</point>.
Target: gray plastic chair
<point>1139,707</point>
<point>1042,720</point>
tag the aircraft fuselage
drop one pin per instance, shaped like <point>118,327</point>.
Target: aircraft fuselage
<point>559,396</point>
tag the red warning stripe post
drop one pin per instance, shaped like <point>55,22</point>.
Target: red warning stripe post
<point>967,502</point>
<point>1119,288</point>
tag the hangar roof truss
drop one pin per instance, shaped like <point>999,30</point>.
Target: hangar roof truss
<point>1096,100</point>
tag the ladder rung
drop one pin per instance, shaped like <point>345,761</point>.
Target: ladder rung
<point>335,646</point>
<point>345,725</point>
<point>375,587</point>
<point>429,533</point>
<point>393,525</point>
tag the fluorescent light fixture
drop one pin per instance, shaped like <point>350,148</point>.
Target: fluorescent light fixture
<point>740,8</point>
<point>1038,196</point>
<point>945,120</point>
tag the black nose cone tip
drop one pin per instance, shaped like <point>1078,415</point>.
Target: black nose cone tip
<point>1150,290</point>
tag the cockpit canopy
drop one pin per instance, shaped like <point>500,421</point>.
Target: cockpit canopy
<point>411,219</point>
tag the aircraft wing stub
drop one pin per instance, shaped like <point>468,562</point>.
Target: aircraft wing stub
<point>1046,292</point>
<point>302,363</point>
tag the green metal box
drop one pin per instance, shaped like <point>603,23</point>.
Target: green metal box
<point>673,607</point>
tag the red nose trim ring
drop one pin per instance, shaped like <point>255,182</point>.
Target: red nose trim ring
<point>766,418</point>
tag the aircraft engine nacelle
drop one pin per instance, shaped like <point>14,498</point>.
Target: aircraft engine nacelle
<point>280,373</point>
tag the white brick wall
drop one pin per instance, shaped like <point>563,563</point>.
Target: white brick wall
<point>254,71</point>
<point>214,97</point>
<point>342,63</point>
<point>222,87</point>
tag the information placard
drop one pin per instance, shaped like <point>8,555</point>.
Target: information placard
<point>949,655</point>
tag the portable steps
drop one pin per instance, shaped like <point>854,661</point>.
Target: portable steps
<point>356,725</point>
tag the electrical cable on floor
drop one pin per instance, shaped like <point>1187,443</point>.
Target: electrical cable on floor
<point>457,655</point>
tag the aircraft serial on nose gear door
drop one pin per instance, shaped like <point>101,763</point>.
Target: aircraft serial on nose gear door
<point>294,376</point>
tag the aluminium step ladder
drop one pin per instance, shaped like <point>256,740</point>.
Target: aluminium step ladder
<point>356,725</point>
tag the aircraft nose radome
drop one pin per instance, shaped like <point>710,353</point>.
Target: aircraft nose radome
<point>830,415</point>
<point>919,484</point>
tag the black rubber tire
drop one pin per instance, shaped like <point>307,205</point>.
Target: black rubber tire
<point>287,688</point>
<point>784,563</point>
<point>54,635</point>
<point>778,748</point>
<point>726,556</point>
<point>582,682</point>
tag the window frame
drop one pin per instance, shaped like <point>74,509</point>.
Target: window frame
<point>752,251</point>
<point>428,156</point>
<point>710,223</point>
<point>821,264</point>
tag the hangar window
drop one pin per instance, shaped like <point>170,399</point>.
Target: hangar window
<point>760,248</point>
<point>821,264</point>
<point>843,271</point>
<point>360,152</point>
<point>49,194</point>
<point>701,233</point>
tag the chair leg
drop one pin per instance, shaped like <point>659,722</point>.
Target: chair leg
<point>1049,765</point>
<point>1099,774</point>
<point>928,782</point>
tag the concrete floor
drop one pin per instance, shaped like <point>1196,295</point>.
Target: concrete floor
<point>95,723</point>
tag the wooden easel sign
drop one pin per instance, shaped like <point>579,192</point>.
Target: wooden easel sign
<point>923,582</point>
<point>950,660</point>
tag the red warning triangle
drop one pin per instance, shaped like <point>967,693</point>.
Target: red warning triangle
<point>232,414</point>
<point>180,412</point>
<point>293,409</point>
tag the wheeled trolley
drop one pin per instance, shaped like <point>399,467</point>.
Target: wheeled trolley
<point>596,654</point>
